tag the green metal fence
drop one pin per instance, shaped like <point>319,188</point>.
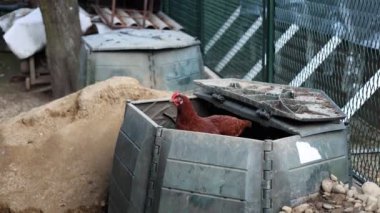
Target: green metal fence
<point>332,45</point>
<point>335,47</point>
<point>231,36</point>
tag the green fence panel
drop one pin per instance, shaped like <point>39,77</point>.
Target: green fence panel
<point>335,48</point>
<point>332,45</point>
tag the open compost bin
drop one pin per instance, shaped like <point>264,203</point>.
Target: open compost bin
<point>159,59</point>
<point>297,139</point>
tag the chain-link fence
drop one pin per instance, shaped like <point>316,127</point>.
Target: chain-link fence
<point>230,31</point>
<point>329,45</point>
<point>336,49</point>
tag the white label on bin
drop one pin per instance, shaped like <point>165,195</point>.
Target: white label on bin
<point>307,153</point>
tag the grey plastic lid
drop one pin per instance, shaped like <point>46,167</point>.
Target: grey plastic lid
<point>301,104</point>
<point>139,39</point>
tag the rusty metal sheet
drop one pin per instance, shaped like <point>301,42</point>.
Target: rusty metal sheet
<point>130,18</point>
<point>127,19</point>
<point>139,39</point>
<point>171,22</point>
<point>302,104</point>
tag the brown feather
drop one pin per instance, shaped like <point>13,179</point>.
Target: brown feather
<point>188,119</point>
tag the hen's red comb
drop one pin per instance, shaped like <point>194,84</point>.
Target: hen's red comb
<point>175,94</point>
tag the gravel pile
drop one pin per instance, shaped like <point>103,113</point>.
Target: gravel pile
<point>337,197</point>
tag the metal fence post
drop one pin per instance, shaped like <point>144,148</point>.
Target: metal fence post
<point>271,49</point>
<point>201,23</point>
<point>268,40</point>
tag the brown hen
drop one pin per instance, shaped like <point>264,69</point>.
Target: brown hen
<point>188,119</point>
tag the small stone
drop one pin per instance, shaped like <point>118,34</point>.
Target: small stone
<point>327,193</point>
<point>371,204</point>
<point>346,187</point>
<point>327,206</point>
<point>287,209</point>
<point>351,199</point>
<point>103,203</point>
<point>319,205</point>
<point>371,200</point>
<point>333,177</point>
<point>370,188</point>
<point>362,197</point>
<point>351,193</point>
<point>337,188</point>
<point>308,211</point>
<point>349,209</point>
<point>327,185</point>
<point>337,199</point>
<point>281,212</point>
<point>341,183</point>
<point>354,188</point>
<point>301,208</point>
<point>358,205</point>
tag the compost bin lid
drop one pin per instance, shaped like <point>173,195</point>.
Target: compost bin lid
<point>139,39</point>
<point>297,103</point>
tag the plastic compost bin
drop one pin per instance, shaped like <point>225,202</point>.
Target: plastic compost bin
<point>159,59</point>
<point>297,139</point>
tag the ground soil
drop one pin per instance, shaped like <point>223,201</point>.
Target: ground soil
<point>58,157</point>
<point>14,99</point>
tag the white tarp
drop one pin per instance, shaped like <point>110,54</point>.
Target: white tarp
<point>6,21</point>
<point>26,35</point>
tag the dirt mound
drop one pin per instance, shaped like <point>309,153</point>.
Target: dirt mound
<point>58,156</point>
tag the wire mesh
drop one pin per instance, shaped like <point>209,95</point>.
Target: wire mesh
<point>332,45</point>
<point>336,50</point>
<point>187,13</point>
<point>230,32</point>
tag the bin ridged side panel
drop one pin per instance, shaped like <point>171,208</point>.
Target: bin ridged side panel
<point>182,201</point>
<point>178,74</point>
<point>292,179</point>
<point>209,173</point>
<point>132,162</point>
<point>134,64</point>
<point>169,69</point>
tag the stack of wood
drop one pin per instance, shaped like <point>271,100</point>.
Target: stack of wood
<point>37,76</point>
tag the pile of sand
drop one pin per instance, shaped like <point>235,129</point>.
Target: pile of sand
<point>58,156</point>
